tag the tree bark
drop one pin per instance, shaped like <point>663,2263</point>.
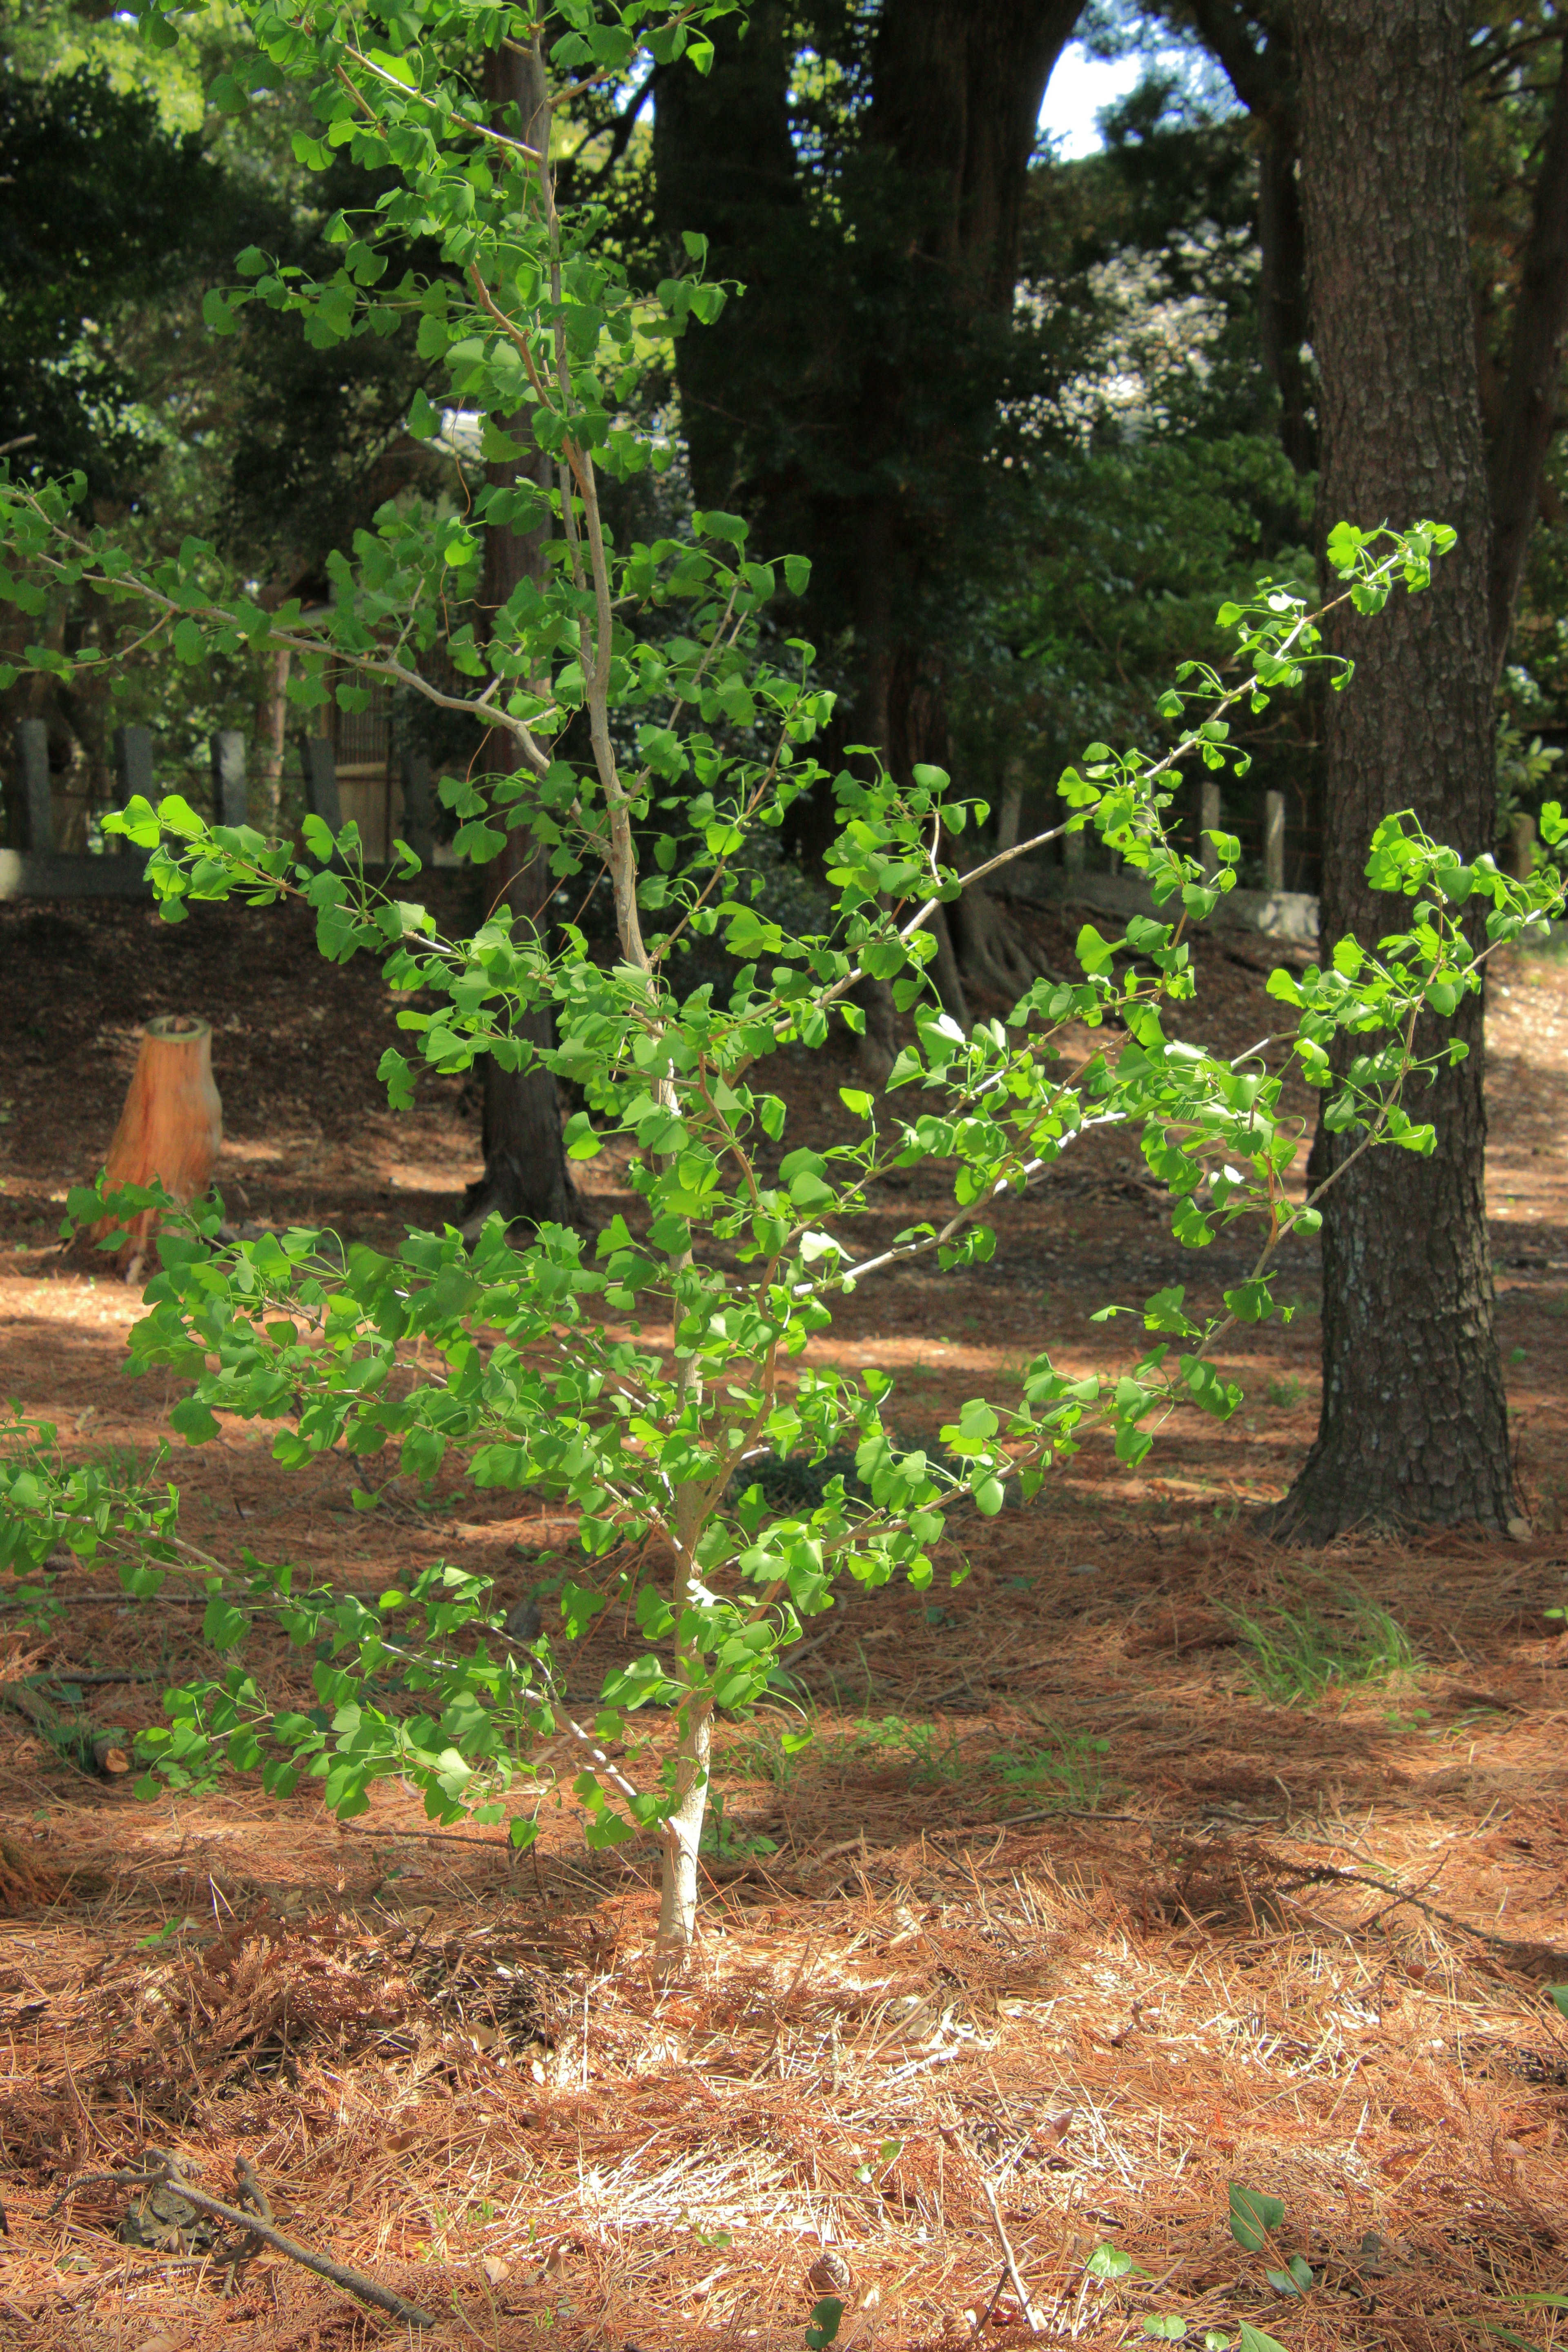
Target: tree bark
<point>1258,61</point>
<point>1528,417</point>
<point>957,92</point>
<point>526,1179</point>
<point>1414,1421</point>
<point>272,736</point>
<point>863,340</point>
<point>725,165</point>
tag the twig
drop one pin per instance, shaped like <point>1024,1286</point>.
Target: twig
<point>353,2282</point>
<point>1019,2289</point>
<point>995,2297</point>
<point>431,1837</point>
<point>1325,1873</point>
<point>86,2180</point>
<point>94,1675</point>
<point>251,2192</point>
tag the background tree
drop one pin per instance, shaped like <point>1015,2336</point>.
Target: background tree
<point>525,1176</point>
<point>863,173</point>
<point>1415,1420</point>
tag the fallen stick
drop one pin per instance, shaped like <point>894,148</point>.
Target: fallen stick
<point>1019,2289</point>
<point>353,2282</point>
<point>990,2307</point>
<point>109,1754</point>
<point>1325,1873</point>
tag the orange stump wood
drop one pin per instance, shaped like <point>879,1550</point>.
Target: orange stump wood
<point>172,1126</point>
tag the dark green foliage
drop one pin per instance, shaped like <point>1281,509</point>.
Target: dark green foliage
<point>319,431</point>
<point>103,211</point>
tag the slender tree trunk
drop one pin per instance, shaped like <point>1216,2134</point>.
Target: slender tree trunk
<point>1530,392</point>
<point>1413,1424</point>
<point>852,460</point>
<point>271,736</point>
<point>526,1179</point>
<point>1282,286</point>
<point>1256,53</point>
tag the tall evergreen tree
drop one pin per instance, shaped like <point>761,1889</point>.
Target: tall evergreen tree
<point>862,172</point>
<point>1414,1421</point>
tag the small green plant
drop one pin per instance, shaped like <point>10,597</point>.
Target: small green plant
<point>772,1755</point>
<point>731,1844</point>
<point>1286,1394</point>
<point>1112,2264</point>
<point>888,2153</point>
<point>1297,1655</point>
<point>716,2240</point>
<point>164,1935</point>
<point>822,2326</point>
<point>938,1755</point>
<point>1069,1769</point>
<point>1254,2218</point>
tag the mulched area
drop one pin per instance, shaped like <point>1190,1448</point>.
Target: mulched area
<point>1059,1904</point>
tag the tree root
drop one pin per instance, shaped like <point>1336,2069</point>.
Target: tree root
<point>992,950</point>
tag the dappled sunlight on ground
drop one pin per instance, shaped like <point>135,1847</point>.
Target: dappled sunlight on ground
<point>1063,1900</point>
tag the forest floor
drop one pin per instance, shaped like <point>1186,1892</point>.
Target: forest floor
<point>1064,1923</point>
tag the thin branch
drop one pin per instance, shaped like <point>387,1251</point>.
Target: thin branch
<point>1325,1873</point>
<point>355,2282</point>
<point>1010,2258</point>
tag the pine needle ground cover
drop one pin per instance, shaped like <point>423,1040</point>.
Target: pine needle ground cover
<point>1060,1927</point>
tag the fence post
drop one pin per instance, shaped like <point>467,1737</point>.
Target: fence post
<point>34,815</point>
<point>1209,819</point>
<point>231,803</point>
<point>133,764</point>
<point>418,810</point>
<point>1274,840</point>
<point>321,782</point>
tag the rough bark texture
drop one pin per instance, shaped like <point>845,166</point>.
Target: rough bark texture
<point>957,91</point>
<point>1528,417</point>
<point>1414,1422</point>
<point>526,1178</point>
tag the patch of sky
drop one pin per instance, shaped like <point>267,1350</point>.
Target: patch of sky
<point>1119,49</point>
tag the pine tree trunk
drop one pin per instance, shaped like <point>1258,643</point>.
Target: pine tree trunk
<point>526,1179</point>
<point>1413,1424</point>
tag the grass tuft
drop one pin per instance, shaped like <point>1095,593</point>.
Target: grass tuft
<point>1298,1656</point>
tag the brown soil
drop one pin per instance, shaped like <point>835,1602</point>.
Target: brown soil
<point>1299,1947</point>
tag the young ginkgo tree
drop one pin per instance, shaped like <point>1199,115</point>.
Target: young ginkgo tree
<point>640,1378</point>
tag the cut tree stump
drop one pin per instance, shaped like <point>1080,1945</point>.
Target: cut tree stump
<point>171,1127</point>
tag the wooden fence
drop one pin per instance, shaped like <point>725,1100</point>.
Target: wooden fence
<point>35,869</point>
<point>401,808</point>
